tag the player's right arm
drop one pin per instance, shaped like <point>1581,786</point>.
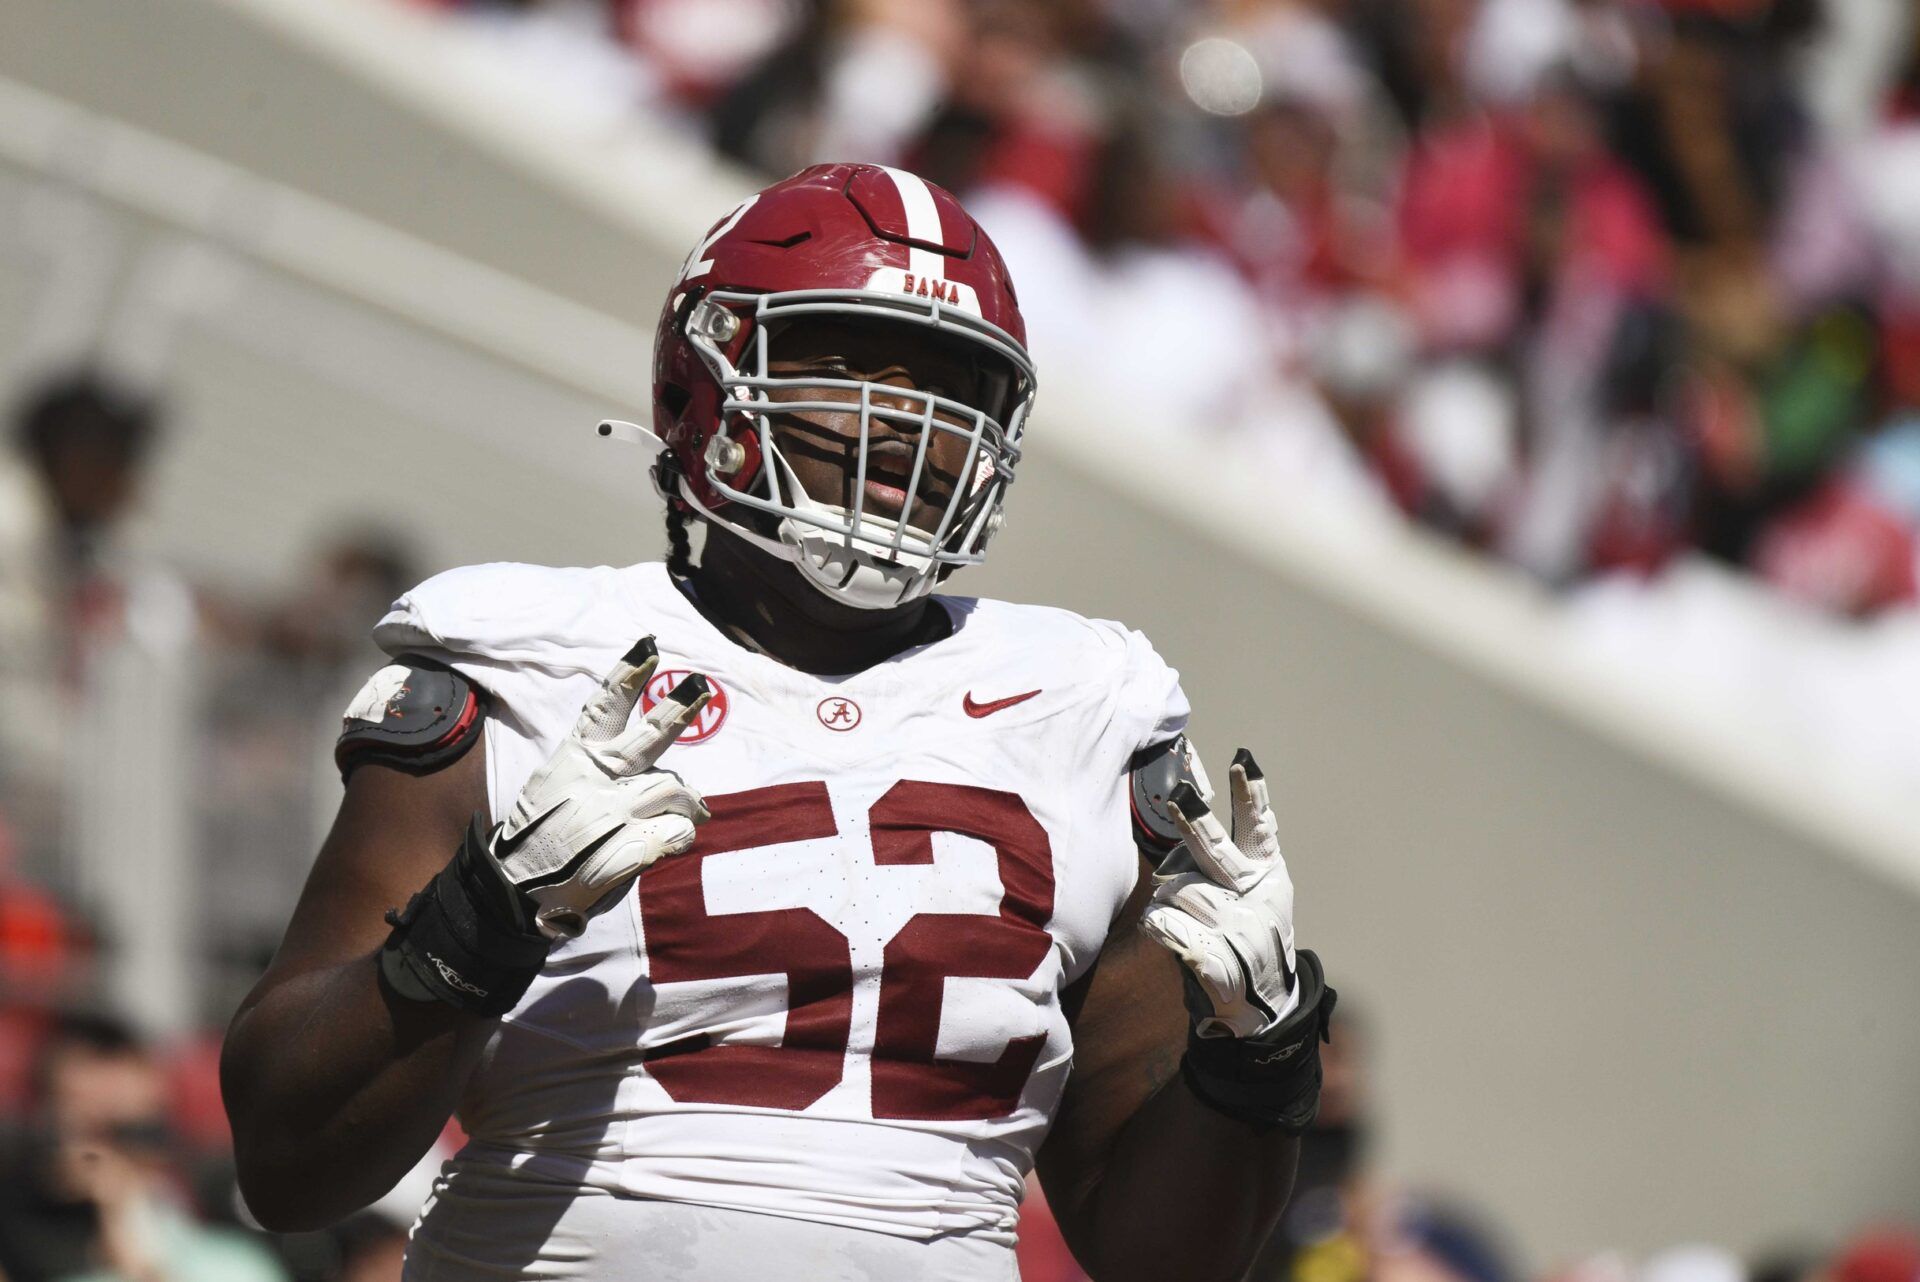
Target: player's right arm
<point>346,1060</point>
<point>335,1085</point>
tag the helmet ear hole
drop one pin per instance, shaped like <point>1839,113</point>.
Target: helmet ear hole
<point>675,399</point>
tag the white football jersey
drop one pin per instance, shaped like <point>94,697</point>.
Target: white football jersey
<point>843,1004</point>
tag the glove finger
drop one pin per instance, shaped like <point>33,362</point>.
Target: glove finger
<point>1282,914</point>
<point>654,733</point>
<point>663,792</point>
<point>606,713</point>
<point>1204,901</point>
<point>1198,769</point>
<point>673,835</point>
<point>1207,842</point>
<point>1253,823</point>
<point>1174,931</point>
<point>645,843</point>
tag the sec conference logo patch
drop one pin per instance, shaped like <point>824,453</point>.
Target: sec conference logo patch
<point>711,717</point>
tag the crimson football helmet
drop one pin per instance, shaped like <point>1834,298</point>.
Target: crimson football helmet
<point>847,242</point>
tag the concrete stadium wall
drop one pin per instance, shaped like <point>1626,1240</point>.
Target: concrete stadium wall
<point>1631,978</point>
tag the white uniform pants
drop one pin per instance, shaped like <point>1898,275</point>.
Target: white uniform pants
<point>484,1224</point>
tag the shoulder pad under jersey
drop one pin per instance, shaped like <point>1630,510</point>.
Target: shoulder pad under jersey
<point>416,714</point>
<point>1155,772</point>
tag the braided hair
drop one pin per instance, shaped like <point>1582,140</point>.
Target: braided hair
<point>679,545</point>
<point>679,517</point>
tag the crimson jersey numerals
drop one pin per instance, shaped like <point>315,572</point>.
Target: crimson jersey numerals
<point>685,942</point>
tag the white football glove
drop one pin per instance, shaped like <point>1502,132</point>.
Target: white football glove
<point>600,811</point>
<point>1230,917</point>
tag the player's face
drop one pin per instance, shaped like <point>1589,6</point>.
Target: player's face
<point>822,446</point>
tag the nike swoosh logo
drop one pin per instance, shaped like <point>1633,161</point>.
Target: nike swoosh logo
<point>1248,991</point>
<point>573,865</point>
<point>506,847</point>
<point>997,705</point>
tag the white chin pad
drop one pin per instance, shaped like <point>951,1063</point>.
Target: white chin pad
<point>862,572</point>
<point>848,573</point>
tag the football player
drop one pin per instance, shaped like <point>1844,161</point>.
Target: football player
<point>769,915</point>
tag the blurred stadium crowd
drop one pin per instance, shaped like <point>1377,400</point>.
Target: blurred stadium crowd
<point>114,1154</point>
<point>1582,283</point>
<point>1622,294</point>
<point>1596,287</point>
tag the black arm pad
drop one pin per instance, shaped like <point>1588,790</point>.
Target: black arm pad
<point>416,714</point>
<point>1272,1080</point>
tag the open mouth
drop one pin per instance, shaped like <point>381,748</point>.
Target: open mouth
<point>828,464</point>
<point>889,472</point>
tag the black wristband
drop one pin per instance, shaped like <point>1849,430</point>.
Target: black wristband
<point>463,941</point>
<point>1272,1080</point>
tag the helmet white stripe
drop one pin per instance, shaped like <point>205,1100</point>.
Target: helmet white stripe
<point>923,223</point>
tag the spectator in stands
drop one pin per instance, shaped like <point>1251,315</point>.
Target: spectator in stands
<point>1844,537</point>
<point>269,780</point>
<point>1883,1253</point>
<point>44,962</point>
<point>352,577</point>
<point>860,79</point>
<point>1435,1242</point>
<point>93,1193</point>
<point>1323,1234</point>
<point>84,441</point>
<point>80,447</point>
<point>65,480</point>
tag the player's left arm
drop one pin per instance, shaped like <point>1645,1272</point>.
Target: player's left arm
<point>1173,1149</point>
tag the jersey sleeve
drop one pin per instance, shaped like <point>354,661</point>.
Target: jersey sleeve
<point>527,637</point>
<point>512,630</point>
<point>404,629</point>
<point>1142,707</point>
<point>1143,703</point>
<point>1150,707</point>
<point>409,628</point>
